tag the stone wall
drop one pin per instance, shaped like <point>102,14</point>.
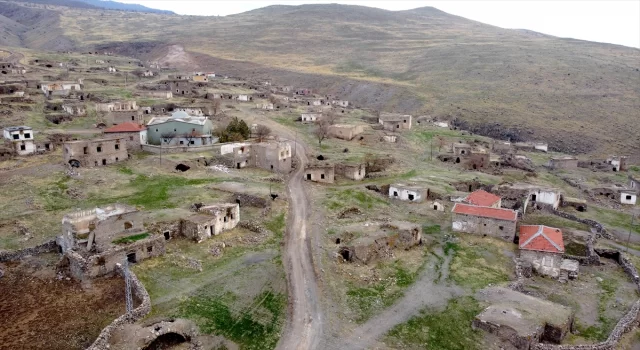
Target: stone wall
<point>602,232</point>
<point>102,342</point>
<point>12,255</point>
<point>626,323</point>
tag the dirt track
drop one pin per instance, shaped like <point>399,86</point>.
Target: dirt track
<point>304,326</point>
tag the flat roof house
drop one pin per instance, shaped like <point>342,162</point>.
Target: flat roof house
<point>21,138</point>
<point>320,172</point>
<point>408,193</point>
<point>486,221</point>
<point>180,129</point>
<point>96,152</point>
<point>345,131</point>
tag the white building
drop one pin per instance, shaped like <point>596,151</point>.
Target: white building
<point>628,198</point>
<point>310,117</point>
<point>341,103</point>
<point>541,146</point>
<point>441,124</point>
<point>244,98</point>
<point>22,139</point>
<point>407,193</point>
<point>545,196</point>
<point>228,148</point>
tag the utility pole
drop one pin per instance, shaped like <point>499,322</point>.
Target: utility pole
<point>431,156</point>
<point>630,228</point>
<point>127,287</point>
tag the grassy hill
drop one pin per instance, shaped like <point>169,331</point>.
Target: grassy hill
<point>580,96</point>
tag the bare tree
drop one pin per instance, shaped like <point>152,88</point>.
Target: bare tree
<point>322,131</point>
<point>273,99</point>
<point>262,132</point>
<point>168,136</point>
<point>191,136</point>
<point>331,118</point>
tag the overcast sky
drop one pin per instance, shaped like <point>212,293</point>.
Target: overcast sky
<point>616,22</point>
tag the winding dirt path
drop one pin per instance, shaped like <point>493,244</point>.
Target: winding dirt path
<point>305,322</point>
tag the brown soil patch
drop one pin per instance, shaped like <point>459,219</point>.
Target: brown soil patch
<point>40,312</point>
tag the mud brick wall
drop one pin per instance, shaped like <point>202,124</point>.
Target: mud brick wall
<point>12,255</point>
<point>102,342</point>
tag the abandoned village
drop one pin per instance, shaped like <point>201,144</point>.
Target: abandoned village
<point>149,204</point>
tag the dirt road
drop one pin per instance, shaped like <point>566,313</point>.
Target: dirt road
<point>304,326</point>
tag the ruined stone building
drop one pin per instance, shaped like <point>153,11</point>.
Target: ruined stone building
<point>628,197</point>
<point>545,197</point>
<point>211,220</point>
<point>353,171</point>
<point>345,131</point>
<point>60,88</point>
<point>193,111</point>
<point>634,183</point>
<point>156,94</point>
<point>75,109</point>
<point>521,321</point>
<point>532,146</point>
<point>501,147</point>
<point>483,198</point>
<point>617,163</point>
<point>320,172</point>
<point>408,193</point>
<point>368,249</point>
<point>486,221</point>
<point>563,163</point>
<point>21,139</point>
<point>461,149</point>
<point>265,106</point>
<point>117,106</point>
<point>478,160</point>
<point>180,129</point>
<point>310,117</point>
<point>341,103</point>
<point>395,122</point>
<point>96,152</point>
<point>543,248</point>
<point>135,134</point>
<point>94,241</point>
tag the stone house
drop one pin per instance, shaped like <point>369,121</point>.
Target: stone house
<point>345,131</point>
<point>351,171</point>
<point>194,111</point>
<point>265,106</point>
<point>244,98</point>
<point>501,147</point>
<point>211,220</point>
<point>60,88</point>
<point>310,117</point>
<point>545,197</point>
<point>275,156</point>
<point>395,235</point>
<point>303,92</point>
<point>563,162</point>
<point>135,134</point>
<point>180,129</point>
<point>543,247</point>
<point>118,117</point>
<point>94,241</point>
<point>483,198</point>
<point>180,87</point>
<point>532,146</point>
<point>86,230</point>
<point>320,172</point>
<point>408,193</point>
<point>147,73</point>
<point>478,160</point>
<point>520,321</point>
<point>341,103</point>
<point>488,221</point>
<point>21,139</point>
<point>461,149</point>
<point>75,109</point>
<point>618,163</point>
<point>389,138</point>
<point>117,106</point>
<point>396,121</point>
<point>200,78</point>
<point>634,183</point>
<point>628,197</point>
<point>96,152</point>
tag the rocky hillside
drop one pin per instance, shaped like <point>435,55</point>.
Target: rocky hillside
<point>580,96</point>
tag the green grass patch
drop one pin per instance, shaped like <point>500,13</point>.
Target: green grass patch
<point>603,329</point>
<point>125,170</point>
<point>214,316</point>
<point>553,221</point>
<point>367,301</point>
<point>339,199</point>
<point>449,329</point>
<point>276,225</point>
<point>478,265</point>
<point>153,192</point>
<point>431,230</point>
<point>131,239</point>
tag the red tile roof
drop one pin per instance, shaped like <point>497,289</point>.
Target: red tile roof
<point>126,127</point>
<point>487,212</point>
<point>541,238</point>
<point>482,198</point>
